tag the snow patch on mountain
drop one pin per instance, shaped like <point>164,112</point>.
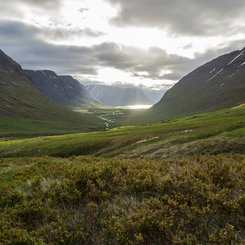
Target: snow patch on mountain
<point>216,74</point>
<point>241,65</point>
<point>236,58</point>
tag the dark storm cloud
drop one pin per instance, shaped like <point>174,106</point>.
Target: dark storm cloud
<point>33,52</point>
<point>189,17</point>
<point>24,43</point>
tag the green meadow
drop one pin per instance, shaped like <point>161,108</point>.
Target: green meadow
<point>214,132</point>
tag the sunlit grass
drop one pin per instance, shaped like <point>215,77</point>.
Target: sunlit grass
<point>195,131</point>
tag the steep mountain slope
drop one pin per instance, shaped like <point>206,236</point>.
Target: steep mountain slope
<point>117,96</point>
<point>63,89</point>
<point>82,96</point>
<point>26,110</point>
<point>219,83</point>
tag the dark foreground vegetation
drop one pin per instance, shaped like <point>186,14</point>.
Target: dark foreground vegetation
<point>87,200</point>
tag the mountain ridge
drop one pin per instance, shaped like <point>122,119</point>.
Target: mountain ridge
<point>219,83</point>
<point>26,110</point>
<point>63,89</point>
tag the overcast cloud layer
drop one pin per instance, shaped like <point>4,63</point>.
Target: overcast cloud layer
<point>188,17</point>
<point>79,42</point>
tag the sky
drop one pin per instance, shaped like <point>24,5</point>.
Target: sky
<point>151,43</point>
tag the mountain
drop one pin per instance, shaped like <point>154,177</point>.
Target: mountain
<point>63,89</point>
<point>153,94</point>
<point>217,84</point>
<point>82,97</point>
<point>118,96</point>
<point>26,110</point>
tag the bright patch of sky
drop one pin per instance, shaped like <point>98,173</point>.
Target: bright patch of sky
<point>96,15</point>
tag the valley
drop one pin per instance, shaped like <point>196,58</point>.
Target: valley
<point>74,170</point>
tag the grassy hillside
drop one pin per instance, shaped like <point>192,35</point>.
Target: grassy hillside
<point>17,127</point>
<point>84,200</point>
<point>25,110</point>
<point>218,84</point>
<point>215,132</point>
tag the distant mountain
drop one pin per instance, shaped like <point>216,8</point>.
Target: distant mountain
<point>118,96</point>
<point>153,94</point>
<point>82,96</point>
<point>25,110</point>
<point>63,89</point>
<point>217,84</point>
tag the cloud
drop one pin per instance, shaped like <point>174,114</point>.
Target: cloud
<point>66,33</point>
<point>51,33</point>
<point>188,17</point>
<point>82,10</point>
<point>42,4</point>
<point>36,53</point>
<point>17,9</point>
<point>24,44</point>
